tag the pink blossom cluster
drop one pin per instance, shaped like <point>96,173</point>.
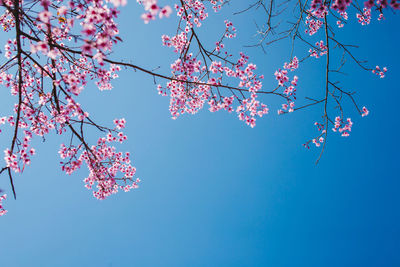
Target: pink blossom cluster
<point>53,72</point>
<point>2,121</point>
<point>341,5</point>
<point>219,46</point>
<point>179,41</point>
<point>100,28</point>
<point>249,109</point>
<point>380,72</point>
<point>281,76</point>
<point>321,49</point>
<point>343,16</point>
<point>9,48</point>
<point>97,23</point>
<point>370,4</point>
<point>217,4</point>
<point>2,210</point>
<point>17,161</point>
<point>395,4</point>
<point>119,2</point>
<point>190,97</point>
<point>153,9</point>
<point>317,11</point>
<point>230,31</point>
<point>313,25</point>
<point>318,8</point>
<point>289,87</point>
<point>189,91</point>
<point>317,141</point>
<point>119,123</point>
<point>107,167</point>
<point>104,165</point>
<point>7,21</point>
<point>365,17</point>
<point>344,127</point>
<point>286,108</point>
<point>193,12</point>
<point>365,112</point>
<point>292,65</point>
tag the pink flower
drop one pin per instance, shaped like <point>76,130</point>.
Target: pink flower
<point>62,10</point>
<point>365,112</point>
<point>2,210</point>
<point>119,2</point>
<point>146,17</point>
<point>45,16</point>
<point>165,12</point>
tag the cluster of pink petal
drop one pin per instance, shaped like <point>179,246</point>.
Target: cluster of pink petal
<point>2,210</point>
<point>395,4</point>
<point>153,9</point>
<point>380,72</point>
<point>344,127</point>
<point>97,23</point>
<point>104,167</point>
<point>40,111</point>
<point>343,16</point>
<point>217,4</point>
<point>119,2</point>
<point>318,8</point>
<point>365,17</point>
<point>317,11</point>
<point>286,108</point>
<point>190,99</point>
<point>317,141</point>
<point>341,5</point>
<point>365,112</point>
<point>189,91</point>
<point>7,21</point>
<point>292,65</point>
<point>179,41</point>
<point>249,109</point>
<point>9,47</point>
<point>281,76</point>
<point>230,31</point>
<point>322,49</point>
<point>313,25</point>
<point>105,77</point>
<point>2,121</point>
<point>289,87</point>
<point>120,123</point>
<point>196,15</point>
<point>104,164</point>
<point>219,46</point>
<point>17,161</point>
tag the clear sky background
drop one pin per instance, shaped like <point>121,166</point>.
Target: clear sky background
<point>215,192</point>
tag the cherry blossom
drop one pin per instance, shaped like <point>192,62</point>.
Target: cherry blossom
<point>56,49</point>
<point>2,210</point>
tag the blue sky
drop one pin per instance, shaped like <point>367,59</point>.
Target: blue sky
<point>215,192</point>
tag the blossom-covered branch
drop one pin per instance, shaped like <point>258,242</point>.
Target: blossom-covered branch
<point>59,47</point>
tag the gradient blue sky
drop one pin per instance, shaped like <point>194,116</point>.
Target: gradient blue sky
<point>215,192</point>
